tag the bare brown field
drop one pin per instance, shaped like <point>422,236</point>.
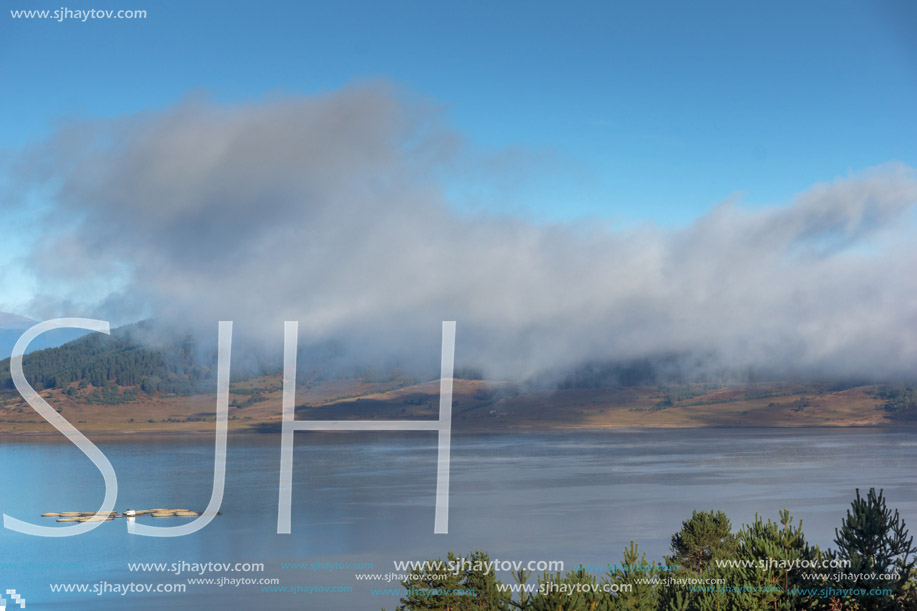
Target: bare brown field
<point>477,405</point>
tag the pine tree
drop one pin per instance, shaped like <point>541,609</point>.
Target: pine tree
<point>468,589</point>
<point>574,590</point>
<point>775,556</point>
<point>873,539</point>
<point>638,595</point>
<point>521,577</point>
<point>703,537</point>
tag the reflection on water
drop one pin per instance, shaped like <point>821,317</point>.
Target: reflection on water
<point>368,497</point>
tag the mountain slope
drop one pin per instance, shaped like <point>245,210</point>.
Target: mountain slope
<point>116,360</point>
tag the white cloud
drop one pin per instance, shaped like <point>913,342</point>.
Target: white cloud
<point>326,210</point>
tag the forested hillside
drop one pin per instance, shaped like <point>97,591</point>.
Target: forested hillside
<point>106,362</point>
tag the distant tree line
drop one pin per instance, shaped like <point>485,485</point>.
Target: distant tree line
<point>899,400</point>
<point>641,372</point>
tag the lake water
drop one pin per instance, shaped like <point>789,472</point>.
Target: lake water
<point>579,497</point>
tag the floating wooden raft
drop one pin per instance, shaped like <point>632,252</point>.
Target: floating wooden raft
<point>90,516</point>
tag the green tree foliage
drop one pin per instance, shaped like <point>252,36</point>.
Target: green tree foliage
<point>575,590</point>
<point>703,537</point>
<point>765,566</point>
<point>906,600</point>
<point>874,539</point>
<point>524,603</point>
<point>773,554</point>
<point>630,577</point>
<point>469,589</point>
<point>107,362</point>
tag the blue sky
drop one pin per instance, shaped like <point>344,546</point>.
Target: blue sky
<point>632,112</point>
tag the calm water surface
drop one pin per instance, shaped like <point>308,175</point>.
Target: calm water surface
<point>368,498</point>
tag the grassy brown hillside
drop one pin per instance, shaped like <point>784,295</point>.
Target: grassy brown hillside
<point>127,383</point>
<point>477,405</point>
